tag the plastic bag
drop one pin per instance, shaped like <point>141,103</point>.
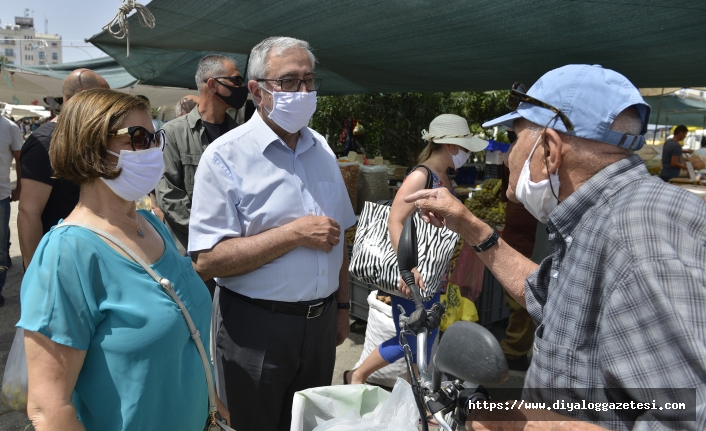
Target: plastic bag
<point>457,307</point>
<point>468,273</point>
<point>355,408</point>
<point>380,328</point>
<point>14,382</point>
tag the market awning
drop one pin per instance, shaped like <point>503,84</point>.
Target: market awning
<point>427,45</point>
<point>675,110</point>
<point>24,86</point>
<point>108,68</point>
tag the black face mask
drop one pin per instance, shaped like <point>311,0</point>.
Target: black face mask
<point>238,95</point>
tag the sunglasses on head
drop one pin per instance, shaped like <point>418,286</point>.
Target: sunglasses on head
<point>141,138</point>
<point>518,95</point>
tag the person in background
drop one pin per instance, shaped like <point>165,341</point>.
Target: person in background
<point>449,144</point>
<point>672,162</point>
<point>620,305</point>
<point>10,146</point>
<point>221,86</point>
<point>107,348</point>
<point>156,123</point>
<point>519,232</point>
<point>47,199</point>
<point>185,105</point>
<point>268,211</point>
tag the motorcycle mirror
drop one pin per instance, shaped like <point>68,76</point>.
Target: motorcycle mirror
<point>471,353</point>
<point>407,246</point>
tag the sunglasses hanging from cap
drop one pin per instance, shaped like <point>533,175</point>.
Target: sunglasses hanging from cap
<point>518,94</point>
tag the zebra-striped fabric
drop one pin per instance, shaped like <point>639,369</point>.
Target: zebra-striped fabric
<point>374,261</point>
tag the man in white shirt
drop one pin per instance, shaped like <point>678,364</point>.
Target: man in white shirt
<point>269,206</point>
<point>10,146</point>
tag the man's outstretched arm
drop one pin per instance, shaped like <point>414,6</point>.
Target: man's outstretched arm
<point>509,266</point>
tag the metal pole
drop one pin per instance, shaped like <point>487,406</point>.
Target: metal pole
<point>659,108</point>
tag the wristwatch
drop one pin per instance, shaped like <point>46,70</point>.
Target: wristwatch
<point>485,245</point>
<point>344,305</point>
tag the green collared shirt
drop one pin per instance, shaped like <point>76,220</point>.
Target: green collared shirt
<point>185,143</point>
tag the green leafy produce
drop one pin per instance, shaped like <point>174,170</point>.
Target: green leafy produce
<point>485,204</point>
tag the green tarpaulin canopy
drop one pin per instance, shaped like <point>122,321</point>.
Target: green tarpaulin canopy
<point>674,111</point>
<point>108,68</point>
<point>427,45</point>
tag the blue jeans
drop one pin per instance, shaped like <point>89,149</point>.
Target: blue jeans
<point>4,238</point>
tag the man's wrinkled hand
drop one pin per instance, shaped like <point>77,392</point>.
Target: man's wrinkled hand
<point>318,232</point>
<point>344,327</point>
<point>15,195</point>
<point>439,207</point>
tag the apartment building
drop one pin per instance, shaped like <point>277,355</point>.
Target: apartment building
<point>22,45</point>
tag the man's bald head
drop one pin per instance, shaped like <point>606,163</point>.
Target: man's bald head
<point>82,79</point>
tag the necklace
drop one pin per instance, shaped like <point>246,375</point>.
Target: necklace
<point>137,228</point>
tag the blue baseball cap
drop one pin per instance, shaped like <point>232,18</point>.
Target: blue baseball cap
<point>591,97</point>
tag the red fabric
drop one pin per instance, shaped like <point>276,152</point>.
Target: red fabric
<point>468,273</point>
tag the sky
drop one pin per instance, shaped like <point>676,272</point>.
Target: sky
<point>73,20</point>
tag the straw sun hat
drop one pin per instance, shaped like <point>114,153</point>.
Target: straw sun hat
<point>452,129</point>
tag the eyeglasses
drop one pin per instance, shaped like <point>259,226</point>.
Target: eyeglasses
<point>292,85</point>
<point>236,80</point>
<point>518,94</point>
<point>141,138</point>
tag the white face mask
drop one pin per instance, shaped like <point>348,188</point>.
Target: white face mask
<point>537,198</point>
<point>291,111</point>
<point>141,171</point>
<point>459,158</point>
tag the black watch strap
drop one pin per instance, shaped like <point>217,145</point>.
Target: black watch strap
<point>344,305</point>
<point>485,245</point>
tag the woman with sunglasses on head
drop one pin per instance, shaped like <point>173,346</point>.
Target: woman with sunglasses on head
<point>107,348</point>
<point>449,144</point>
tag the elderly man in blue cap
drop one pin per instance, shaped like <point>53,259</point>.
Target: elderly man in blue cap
<point>620,305</point>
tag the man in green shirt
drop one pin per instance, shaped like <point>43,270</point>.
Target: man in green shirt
<point>220,86</point>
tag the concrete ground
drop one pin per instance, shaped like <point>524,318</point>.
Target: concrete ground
<point>346,355</point>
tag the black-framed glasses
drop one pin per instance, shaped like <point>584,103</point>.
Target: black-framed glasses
<point>237,80</point>
<point>141,138</point>
<point>518,94</point>
<point>292,85</point>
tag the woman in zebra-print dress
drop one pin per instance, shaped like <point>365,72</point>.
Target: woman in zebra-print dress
<point>449,143</point>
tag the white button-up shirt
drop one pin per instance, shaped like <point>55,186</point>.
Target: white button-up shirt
<point>248,181</point>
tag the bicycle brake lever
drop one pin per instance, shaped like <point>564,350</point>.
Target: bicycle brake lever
<point>403,316</point>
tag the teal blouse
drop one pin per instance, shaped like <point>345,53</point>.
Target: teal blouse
<point>142,370</point>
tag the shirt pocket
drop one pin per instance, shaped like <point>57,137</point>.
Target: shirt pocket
<point>190,162</point>
<point>552,364</point>
<point>328,199</point>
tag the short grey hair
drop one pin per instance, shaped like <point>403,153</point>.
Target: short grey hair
<point>210,66</point>
<point>628,121</point>
<point>257,64</point>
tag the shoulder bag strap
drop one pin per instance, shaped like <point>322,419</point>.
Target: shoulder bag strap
<point>167,286</point>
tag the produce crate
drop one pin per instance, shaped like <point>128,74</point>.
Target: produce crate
<point>492,171</point>
<point>491,302</point>
<point>359,291</point>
